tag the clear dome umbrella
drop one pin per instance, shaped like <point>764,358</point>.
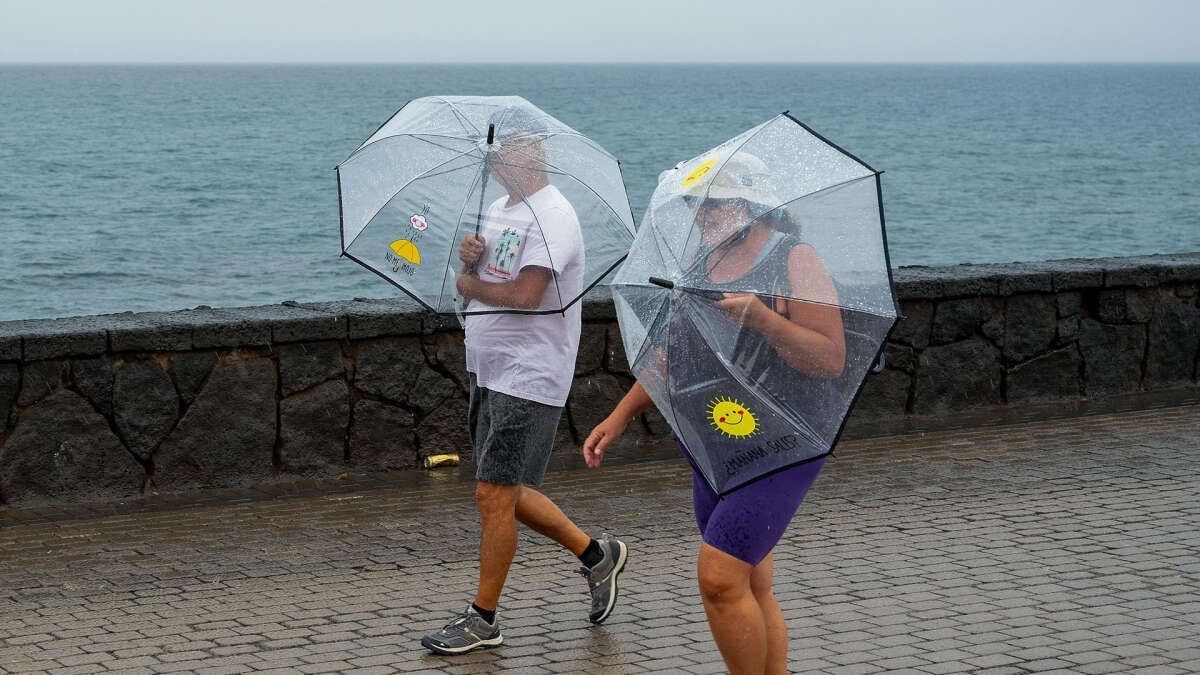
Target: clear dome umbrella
<point>756,298</point>
<point>433,173</point>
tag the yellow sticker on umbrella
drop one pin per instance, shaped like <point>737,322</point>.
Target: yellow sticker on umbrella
<point>407,250</point>
<point>731,417</point>
<point>698,173</point>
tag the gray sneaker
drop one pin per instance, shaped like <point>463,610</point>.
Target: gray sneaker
<point>602,578</point>
<point>464,633</point>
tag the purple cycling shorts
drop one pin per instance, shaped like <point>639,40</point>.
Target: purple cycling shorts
<point>748,522</point>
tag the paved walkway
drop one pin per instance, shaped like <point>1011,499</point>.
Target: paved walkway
<point>1066,545</point>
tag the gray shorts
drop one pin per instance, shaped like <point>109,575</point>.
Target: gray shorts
<point>512,437</point>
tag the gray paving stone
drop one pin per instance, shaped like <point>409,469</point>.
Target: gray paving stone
<point>1081,565</point>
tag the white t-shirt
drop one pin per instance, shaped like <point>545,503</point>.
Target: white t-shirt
<point>530,356</point>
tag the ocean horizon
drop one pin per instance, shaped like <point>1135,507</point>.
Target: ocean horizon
<point>166,186</point>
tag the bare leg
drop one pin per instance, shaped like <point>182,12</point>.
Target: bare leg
<point>498,540</point>
<point>736,620</point>
<point>538,513</point>
<point>761,579</point>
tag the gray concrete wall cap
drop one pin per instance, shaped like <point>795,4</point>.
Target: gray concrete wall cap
<point>1139,271</point>
<point>1184,267</point>
<point>154,332</point>
<point>918,283</point>
<point>369,318</point>
<point>67,337</point>
<point>231,327</point>
<point>1150,270</point>
<point>202,328</point>
<point>291,322</point>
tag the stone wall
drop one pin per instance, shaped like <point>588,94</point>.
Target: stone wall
<point>105,408</point>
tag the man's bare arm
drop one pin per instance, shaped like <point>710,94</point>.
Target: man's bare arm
<point>524,292</point>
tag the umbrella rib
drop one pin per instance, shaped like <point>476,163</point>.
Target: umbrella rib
<point>700,259</point>
<point>457,227</point>
<point>589,188</point>
<point>595,146</point>
<point>828,142</point>
<point>646,342</point>
<point>418,136</point>
<point>675,416</point>
<point>401,189</point>
<point>749,386</point>
<point>423,138</point>
<point>462,119</point>
<point>390,281</point>
<point>664,246</point>
<point>377,129</point>
<point>555,172</point>
<point>712,180</point>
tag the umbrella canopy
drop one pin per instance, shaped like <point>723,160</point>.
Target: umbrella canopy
<point>756,298</point>
<point>432,173</point>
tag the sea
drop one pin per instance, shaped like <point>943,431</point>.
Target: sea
<point>135,188</point>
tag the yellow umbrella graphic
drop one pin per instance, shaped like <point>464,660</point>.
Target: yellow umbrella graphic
<point>407,250</point>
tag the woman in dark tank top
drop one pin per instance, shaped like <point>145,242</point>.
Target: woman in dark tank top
<point>782,343</point>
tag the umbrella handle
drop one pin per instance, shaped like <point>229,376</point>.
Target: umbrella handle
<point>669,285</point>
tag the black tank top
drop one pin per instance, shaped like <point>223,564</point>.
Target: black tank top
<point>757,364</point>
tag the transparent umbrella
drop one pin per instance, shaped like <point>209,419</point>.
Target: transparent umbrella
<point>445,167</point>
<point>756,297</point>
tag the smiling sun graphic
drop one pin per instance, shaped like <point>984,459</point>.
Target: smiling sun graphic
<point>731,417</point>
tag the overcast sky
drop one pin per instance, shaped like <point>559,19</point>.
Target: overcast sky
<point>222,31</point>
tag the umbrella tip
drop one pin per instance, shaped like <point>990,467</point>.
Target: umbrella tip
<point>665,283</point>
<point>491,133</point>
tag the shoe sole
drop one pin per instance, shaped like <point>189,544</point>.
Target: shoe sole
<point>612,597</point>
<point>451,651</point>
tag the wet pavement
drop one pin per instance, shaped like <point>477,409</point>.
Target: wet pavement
<point>1065,545</point>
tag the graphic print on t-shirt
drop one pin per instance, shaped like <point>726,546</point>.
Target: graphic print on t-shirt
<point>505,252</point>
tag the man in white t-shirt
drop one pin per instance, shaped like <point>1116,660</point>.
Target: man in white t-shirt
<point>525,264</point>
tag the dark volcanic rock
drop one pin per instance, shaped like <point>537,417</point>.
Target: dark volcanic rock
<point>1112,357</point>
<point>1050,377</point>
<point>382,437</point>
<point>592,398</point>
<point>958,376</point>
<point>448,353</point>
<point>145,406</point>
<point>312,430</point>
<point>432,389</point>
<point>189,370</point>
<point>1030,325</point>
<point>615,360</point>
<point>388,367</point>
<point>10,383</point>
<point>227,436</point>
<point>958,319</point>
<point>94,377</point>
<point>914,326</point>
<point>308,364</point>
<point>444,430</point>
<point>39,379</point>
<point>1174,341</point>
<point>63,451</point>
<point>885,395</point>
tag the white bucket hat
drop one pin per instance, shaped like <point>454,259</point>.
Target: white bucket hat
<point>742,176</point>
